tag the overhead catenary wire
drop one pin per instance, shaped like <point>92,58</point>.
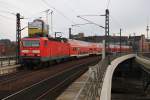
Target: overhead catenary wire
<point>112,18</point>
<point>8,6</point>
<point>37,13</point>
<point>6,17</point>
<point>8,12</point>
<point>13,7</point>
<point>70,8</point>
<point>116,21</point>
<point>147,21</point>
<point>11,13</point>
<point>81,24</point>
<point>108,4</point>
<point>58,11</point>
<point>90,22</point>
<point>91,15</point>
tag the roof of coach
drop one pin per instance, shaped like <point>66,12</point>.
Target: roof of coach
<point>73,42</point>
<point>45,38</point>
<point>34,38</point>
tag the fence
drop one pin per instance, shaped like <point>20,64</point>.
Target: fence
<point>7,60</point>
<point>92,87</point>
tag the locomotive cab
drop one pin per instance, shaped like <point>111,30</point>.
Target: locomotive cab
<point>30,50</point>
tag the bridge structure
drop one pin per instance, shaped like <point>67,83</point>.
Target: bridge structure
<point>98,86</point>
<point>106,87</point>
<point>145,62</point>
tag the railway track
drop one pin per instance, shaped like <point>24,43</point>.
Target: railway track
<point>45,83</point>
<point>6,78</point>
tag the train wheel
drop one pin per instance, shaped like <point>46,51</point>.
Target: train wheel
<point>31,66</point>
<point>47,64</point>
<point>58,61</point>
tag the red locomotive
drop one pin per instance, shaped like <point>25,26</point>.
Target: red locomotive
<point>38,47</point>
<point>43,49</point>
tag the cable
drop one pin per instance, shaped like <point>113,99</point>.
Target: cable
<point>108,3</point>
<point>91,22</point>
<point>9,18</point>
<point>70,8</point>
<point>46,3</point>
<point>117,23</point>
<point>90,15</point>
<point>147,21</point>
<point>37,14</point>
<point>80,24</point>
<point>7,6</point>
<point>7,12</point>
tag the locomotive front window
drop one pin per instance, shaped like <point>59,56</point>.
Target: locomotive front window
<point>31,43</point>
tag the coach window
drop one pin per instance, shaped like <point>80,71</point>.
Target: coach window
<point>74,49</point>
<point>45,43</point>
<point>78,49</point>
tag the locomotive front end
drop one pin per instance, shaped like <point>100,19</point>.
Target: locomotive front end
<point>30,50</point>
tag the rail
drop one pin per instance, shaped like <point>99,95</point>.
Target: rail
<point>7,60</point>
<point>92,87</point>
<point>50,87</point>
<point>145,69</point>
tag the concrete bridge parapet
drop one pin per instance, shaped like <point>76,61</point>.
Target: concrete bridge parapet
<point>106,87</point>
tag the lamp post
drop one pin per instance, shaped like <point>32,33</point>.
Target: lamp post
<point>114,40</point>
<point>142,44</point>
<point>120,39</point>
<point>70,36</point>
<point>120,43</point>
<point>147,29</point>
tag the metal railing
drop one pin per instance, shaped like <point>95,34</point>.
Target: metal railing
<point>144,54</point>
<point>7,60</point>
<point>93,85</point>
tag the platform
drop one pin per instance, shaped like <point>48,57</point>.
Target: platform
<point>72,91</point>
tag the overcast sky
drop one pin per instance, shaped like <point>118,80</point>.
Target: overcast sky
<point>130,15</point>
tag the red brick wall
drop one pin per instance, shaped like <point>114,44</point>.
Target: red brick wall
<point>2,49</point>
<point>146,45</point>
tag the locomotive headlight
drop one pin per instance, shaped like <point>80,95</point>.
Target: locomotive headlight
<point>25,51</point>
<point>35,51</point>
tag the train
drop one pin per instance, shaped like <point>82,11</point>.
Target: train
<point>38,47</point>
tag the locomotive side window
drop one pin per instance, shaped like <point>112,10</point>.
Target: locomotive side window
<point>90,48</point>
<point>31,43</point>
<point>74,49</point>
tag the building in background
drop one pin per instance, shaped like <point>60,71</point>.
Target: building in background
<point>144,44</point>
<point>2,49</point>
<point>138,43</point>
<point>77,36</point>
<point>112,39</point>
<point>7,47</point>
